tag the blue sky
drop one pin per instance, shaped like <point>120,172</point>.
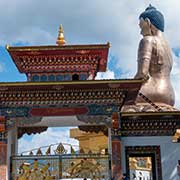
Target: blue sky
<point>36,22</point>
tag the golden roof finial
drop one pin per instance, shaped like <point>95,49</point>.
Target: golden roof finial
<point>60,40</point>
<point>7,46</point>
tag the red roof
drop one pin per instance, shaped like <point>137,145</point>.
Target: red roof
<point>33,59</point>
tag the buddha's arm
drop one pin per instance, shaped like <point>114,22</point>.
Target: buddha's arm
<point>144,58</point>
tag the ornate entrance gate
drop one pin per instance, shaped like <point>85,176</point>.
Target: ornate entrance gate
<point>60,84</point>
<point>93,166</point>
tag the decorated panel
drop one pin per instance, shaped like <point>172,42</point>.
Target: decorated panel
<point>41,167</point>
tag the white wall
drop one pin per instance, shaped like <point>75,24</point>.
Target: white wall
<point>170,153</point>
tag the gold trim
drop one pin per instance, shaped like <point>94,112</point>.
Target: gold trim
<point>55,47</point>
<point>168,113</point>
<point>7,46</point>
<point>109,44</point>
<point>60,39</point>
<point>2,84</point>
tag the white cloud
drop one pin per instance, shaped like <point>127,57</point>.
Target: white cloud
<point>51,136</point>
<point>175,77</point>
<point>93,21</point>
<point>105,75</point>
<point>34,35</point>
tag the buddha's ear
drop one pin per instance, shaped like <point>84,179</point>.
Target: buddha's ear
<point>147,20</point>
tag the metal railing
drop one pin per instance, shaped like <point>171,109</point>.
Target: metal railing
<point>39,167</point>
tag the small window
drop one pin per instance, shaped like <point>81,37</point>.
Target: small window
<point>51,78</point>
<point>35,78</point>
<point>59,77</point>
<point>67,77</point>
<point>75,77</point>
<point>83,77</point>
<point>43,78</point>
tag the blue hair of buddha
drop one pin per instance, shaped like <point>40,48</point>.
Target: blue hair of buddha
<point>155,17</point>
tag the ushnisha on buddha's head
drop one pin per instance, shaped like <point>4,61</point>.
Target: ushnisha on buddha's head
<point>151,21</point>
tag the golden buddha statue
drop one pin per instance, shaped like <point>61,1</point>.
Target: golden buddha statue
<point>154,63</point>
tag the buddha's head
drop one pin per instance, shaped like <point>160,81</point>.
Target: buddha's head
<point>151,20</point>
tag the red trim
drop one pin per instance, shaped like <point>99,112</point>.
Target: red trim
<point>2,119</point>
<point>2,124</point>
<point>58,111</point>
<point>115,121</point>
<point>2,128</point>
<point>116,159</point>
<point>25,67</point>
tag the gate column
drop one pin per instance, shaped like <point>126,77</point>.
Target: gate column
<point>3,149</point>
<point>116,147</point>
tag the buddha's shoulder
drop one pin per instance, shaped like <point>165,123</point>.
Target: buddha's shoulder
<point>147,39</point>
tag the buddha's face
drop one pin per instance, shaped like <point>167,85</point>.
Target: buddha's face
<point>145,26</point>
